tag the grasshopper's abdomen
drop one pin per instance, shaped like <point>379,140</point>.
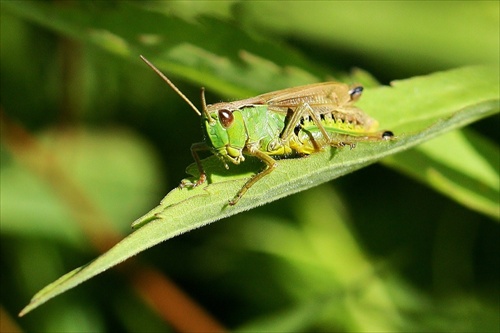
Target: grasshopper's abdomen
<point>346,127</point>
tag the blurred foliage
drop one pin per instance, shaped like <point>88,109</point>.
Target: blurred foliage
<point>372,251</point>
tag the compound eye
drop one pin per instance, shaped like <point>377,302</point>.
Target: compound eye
<point>226,118</point>
<point>356,93</point>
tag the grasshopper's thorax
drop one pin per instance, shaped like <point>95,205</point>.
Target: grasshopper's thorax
<point>225,132</point>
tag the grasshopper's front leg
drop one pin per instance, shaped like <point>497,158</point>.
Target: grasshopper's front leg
<point>271,164</point>
<point>195,148</point>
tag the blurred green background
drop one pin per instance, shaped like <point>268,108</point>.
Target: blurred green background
<point>372,251</point>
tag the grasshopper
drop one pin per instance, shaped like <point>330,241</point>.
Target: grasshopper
<point>286,123</point>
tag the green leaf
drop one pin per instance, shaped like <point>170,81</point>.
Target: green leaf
<point>126,166</point>
<point>416,109</point>
<point>392,36</point>
<point>461,165</point>
<point>192,49</point>
<point>197,52</point>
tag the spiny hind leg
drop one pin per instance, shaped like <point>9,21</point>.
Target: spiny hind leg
<point>300,112</point>
<point>271,164</point>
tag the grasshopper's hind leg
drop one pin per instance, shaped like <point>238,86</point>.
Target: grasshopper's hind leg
<point>271,164</point>
<point>301,111</point>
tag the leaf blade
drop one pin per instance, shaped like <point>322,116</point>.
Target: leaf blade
<point>184,210</point>
<point>460,165</point>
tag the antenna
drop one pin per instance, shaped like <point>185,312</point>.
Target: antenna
<point>171,85</point>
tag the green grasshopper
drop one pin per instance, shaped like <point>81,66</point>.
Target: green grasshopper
<point>283,124</point>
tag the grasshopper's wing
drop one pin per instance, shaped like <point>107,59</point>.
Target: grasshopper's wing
<point>322,97</point>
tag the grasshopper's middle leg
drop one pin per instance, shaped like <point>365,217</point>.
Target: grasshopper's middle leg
<point>271,164</point>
